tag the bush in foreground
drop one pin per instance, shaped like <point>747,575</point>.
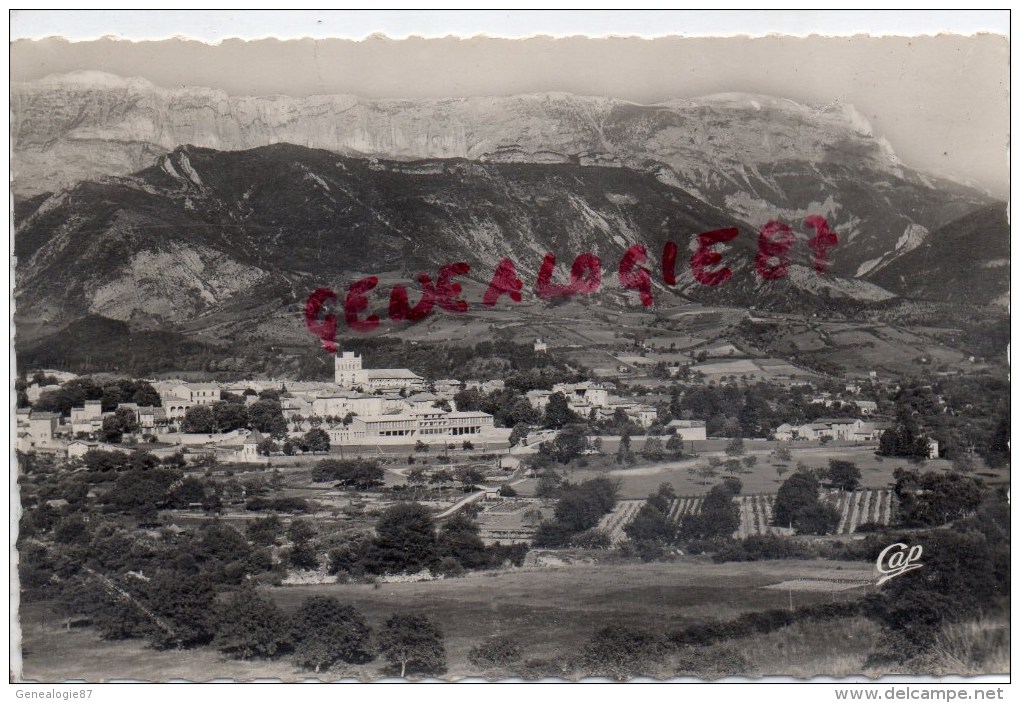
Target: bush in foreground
<point>414,643</point>
<point>327,632</point>
<point>251,626</point>
<point>499,651</point>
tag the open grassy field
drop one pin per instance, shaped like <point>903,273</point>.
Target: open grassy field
<point>552,610</point>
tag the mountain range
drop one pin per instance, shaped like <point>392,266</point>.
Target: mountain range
<point>162,207</point>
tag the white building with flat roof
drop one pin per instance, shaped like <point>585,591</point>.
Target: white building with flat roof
<point>688,430</point>
<point>432,425</point>
<point>339,404</point>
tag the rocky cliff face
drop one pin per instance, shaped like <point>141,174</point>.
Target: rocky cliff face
<point>757,157</point>
<point>708,140</point>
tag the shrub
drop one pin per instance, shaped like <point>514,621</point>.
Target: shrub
<point>499,651</point>
<point>762,547</point>
<point>552,534</point>
<point>507,553</point>
<point>265,531</point>
<point>711,663</point>
<point>621,652</point>
<point>283,505</point>
<point>449,567</point>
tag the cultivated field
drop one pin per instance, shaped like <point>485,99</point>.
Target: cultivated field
<point>855,508</point>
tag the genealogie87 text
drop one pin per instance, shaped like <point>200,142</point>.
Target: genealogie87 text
<point>775,239</point>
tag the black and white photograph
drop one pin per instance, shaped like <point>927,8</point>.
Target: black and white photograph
<point>677,358</point>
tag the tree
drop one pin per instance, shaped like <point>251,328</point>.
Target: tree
<point>414,643</point>
<point>71,530</point>
<point>459,540</point>
<point>719,516</point>
<point>249,625</point>
<point>797,492</point>
<point>111,431</point>
<point>302,554</point>
<point>783,453</point>
<point>187,603</point>
<point>935,498</point>
<point>652,521</point>
<point>469,476</point>
<point>797,504</point>
<point>549,484</point>
<point>142,493</point>
<point>675,446</point>
<point>581,506</point>
<point>405,540</point>
<point>997,451</point>
<point>844,474</point>
<point>357,474</point>
<point>750,462</point>
<point>519,432</point>
<point>127,419</point>
<point>569,444</point>
<point>198,419</point>
<point>315,440</point>
<point>326,632</point>
<point>816,519</point>
<point>653,449</point>
<point>904,438</point>
<point>733,484</point>
<point>266,415</point>
<point>558,412</point>
<point>735,447</point>
<point>267,447</point>
<point>300,531</point>
<point>265,531</point>
<point>623,453</point>
<point>228,417</point>
<point>420,446</point>
<point>468,399</point>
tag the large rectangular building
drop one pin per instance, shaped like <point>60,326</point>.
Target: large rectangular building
<point>430,425</point>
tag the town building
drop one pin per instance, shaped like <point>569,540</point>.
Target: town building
<point>197,393</point>
<point>348,373</point>
<point>339,404</point>
<point>413,425</point>
<point>688,430</point>
<point>585,394</point>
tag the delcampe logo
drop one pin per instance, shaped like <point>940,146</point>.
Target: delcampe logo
<point>897,559</point>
